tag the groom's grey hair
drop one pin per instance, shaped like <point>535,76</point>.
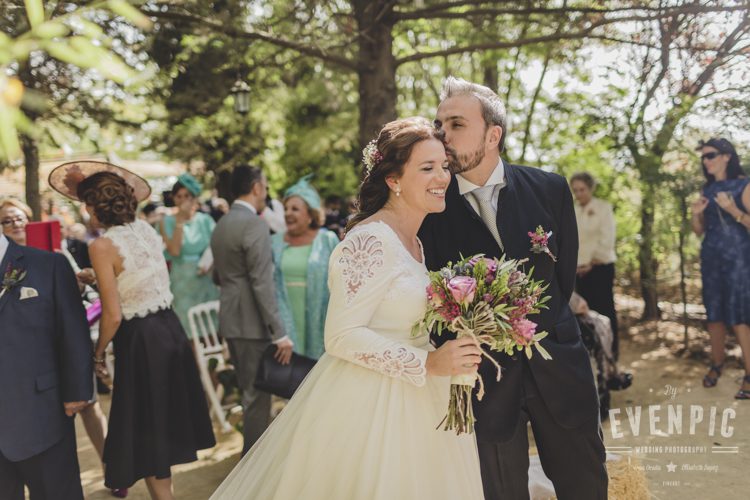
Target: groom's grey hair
<point>493,109</point>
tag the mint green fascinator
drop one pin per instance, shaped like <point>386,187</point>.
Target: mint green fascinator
<point>304,190</point>
<point>191,184</point>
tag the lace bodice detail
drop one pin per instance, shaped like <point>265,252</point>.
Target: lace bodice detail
<point>377,294</point>
<point>143,284</point>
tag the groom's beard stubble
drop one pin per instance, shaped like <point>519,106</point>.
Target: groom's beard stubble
<point>460,163</point>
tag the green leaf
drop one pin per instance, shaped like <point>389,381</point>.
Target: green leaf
<point>35,12</point>
<point>543,351</point>
<point>135,16</point>
<point>51,29</point>
<point>9,146</point>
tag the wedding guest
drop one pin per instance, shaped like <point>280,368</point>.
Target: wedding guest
<point>300,256</point>
<point>720,215</point>
<point>159,416</point>
<point>273,215</point>
<point>14,215</point>
<point>45,369</point>
<point>74,243</point>
<point>249,313</point>
<point>596,332</point>
<point>187,235</point>
<point>335,219</point>
<point>596,251</point>
<point>92,416</point>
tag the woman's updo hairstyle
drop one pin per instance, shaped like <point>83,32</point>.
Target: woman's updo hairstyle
<point>112,198</point>
<point>385,157</point>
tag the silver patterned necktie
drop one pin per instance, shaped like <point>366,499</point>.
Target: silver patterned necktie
<point>483,197</point>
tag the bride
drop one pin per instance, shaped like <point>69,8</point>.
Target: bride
<point>363,423</point>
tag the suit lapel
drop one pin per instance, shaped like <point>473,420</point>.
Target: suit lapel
<point>13,256</point>
<point>508,216</point>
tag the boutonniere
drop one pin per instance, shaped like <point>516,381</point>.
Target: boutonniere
<point>540,240</point>
<point>591,212</point>
<point>12,277</point>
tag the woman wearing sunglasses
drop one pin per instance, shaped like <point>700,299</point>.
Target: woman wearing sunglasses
<point>721,216</point>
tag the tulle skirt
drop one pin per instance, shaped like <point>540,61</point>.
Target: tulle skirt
<point>352,433</point>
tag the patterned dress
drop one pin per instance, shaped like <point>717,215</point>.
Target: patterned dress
<point>725,258</point>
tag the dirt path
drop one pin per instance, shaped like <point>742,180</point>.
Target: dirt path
<point>682,464</point>
<point>662,378</point>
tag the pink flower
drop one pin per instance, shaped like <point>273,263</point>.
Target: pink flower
<point>524,330</point>
<point>434,296</point>
<point>462,288</point>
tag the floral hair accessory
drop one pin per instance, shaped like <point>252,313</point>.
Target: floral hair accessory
<point>540,242</point>
<point>371,156</point>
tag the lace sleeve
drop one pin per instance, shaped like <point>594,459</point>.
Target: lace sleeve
<point>361,272</point>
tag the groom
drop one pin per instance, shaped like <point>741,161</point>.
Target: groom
<point>491,207</point>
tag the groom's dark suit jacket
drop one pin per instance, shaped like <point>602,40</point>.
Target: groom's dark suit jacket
<point>45,353</point>
<point>530,198</point>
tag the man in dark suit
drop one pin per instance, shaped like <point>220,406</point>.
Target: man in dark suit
<point>491,207</point>
<point>46,374</point>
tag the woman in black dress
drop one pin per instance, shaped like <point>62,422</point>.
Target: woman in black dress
<point>159,416</point>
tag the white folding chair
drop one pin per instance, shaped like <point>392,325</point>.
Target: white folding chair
<point>208,345</point>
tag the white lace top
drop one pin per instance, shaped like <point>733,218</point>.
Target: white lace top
<point>143,284</point>
<point>377,294</point>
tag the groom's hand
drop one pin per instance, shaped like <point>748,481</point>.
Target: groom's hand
<point>455,357</point>
<point>284,351</point>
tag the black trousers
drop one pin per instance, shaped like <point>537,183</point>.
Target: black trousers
<point>597,287</point>
<point>574,460</point>
<point>50,475</point>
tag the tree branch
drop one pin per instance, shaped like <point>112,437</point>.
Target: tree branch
<point>442,11</point>
<point>233,32</point>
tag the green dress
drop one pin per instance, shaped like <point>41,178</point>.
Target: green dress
<point>294,268</point>
<point>188,287</point>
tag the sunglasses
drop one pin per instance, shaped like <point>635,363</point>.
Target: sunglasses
<point>710,156</point>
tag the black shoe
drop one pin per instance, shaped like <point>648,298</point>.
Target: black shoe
<point>623,381</point>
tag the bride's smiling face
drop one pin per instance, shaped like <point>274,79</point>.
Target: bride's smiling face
<point>425,178</point>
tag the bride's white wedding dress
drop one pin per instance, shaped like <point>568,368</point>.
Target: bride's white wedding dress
<point>363,423</point>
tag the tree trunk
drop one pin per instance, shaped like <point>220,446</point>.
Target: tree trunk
<point>646,259</point>
<point>532,106</point>
<point>376,68</point>
<point>684,228</point>
<point>31,161</point>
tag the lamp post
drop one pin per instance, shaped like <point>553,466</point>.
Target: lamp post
<point>241,93</point>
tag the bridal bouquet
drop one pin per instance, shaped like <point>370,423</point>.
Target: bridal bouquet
<point>488,300</point>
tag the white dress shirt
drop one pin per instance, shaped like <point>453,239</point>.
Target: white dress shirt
<point>596,232</point>
<point>246,205</point>
<point>3,246</point>
<point>497,179</point>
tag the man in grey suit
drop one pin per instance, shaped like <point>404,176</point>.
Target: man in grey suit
<point>249,315</point>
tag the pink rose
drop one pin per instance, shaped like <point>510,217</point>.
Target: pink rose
<point>462,288</point>
<point>524,330</point>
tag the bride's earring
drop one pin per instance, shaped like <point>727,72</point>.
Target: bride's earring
<point>398,191</point>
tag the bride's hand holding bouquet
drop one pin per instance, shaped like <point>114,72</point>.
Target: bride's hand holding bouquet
<point>485,302</point>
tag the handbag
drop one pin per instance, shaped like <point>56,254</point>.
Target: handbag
<point>281,380</point>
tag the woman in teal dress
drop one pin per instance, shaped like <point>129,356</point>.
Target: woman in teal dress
<point>187,235</point>
<point>301,255</point>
